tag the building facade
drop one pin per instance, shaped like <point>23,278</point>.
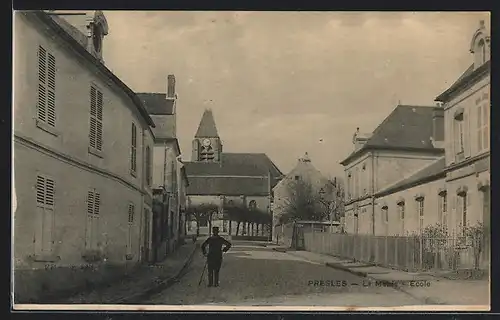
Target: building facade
<point>322,188</point>
<point>217,177</point>
<point>452,192</point>
<point>83,186</point>
<point>169,178</point>
<point>408,140</point>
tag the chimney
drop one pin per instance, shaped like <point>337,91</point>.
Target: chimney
<point>438,126</point>
<point>171,86</point>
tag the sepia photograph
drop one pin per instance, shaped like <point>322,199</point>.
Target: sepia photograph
<point>251,160</point>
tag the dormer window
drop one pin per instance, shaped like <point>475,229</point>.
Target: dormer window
<point>97,37</point>
<point>482,51</point>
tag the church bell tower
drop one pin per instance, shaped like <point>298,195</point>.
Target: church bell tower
<point>207,146</point>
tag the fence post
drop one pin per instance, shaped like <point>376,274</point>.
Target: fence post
<point>385,251</point>
<point>421,251</point>
<point>407,253</point>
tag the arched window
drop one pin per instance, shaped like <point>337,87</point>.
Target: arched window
<point>252,205</point>
<point>97,35</point>
<point>482,51</point>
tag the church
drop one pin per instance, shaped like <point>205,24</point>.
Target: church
<point>219,178</point>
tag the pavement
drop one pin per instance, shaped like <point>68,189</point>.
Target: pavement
<point>426,287</point>
<point>147,280</point>
<point>257,275</point>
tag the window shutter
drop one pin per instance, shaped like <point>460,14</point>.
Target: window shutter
<point>486,131</point>
<point>97,203</point>
<point>40,190</point>
<point>99,121</point>
<point>49,192</point>
<point>42,78</point>
<point>130,213</point>
<point>93,118</point>
<point>466,134</point>
<point>51,92</point>
<point>133,154</point>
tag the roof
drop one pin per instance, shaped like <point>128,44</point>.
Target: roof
<point>157,103</point>
<point>407,127</point>
<point>207,128</point>
<point>62,32</point>
<point>243,173</point>
<point>429,173</point>
<point>467,77</point>
<point>228,186</point>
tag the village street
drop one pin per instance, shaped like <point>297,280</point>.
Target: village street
<point>252,274</point>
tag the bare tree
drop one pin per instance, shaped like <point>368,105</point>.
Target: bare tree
<point>200,213</point>
<point>302,203</point>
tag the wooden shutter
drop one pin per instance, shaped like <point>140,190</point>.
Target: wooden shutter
<point>40,191</point>
<point>90,211</point>
<point>486,120</point>
<point>466,133</point>
<point>99,121</point>
<point>93,117</point>
<point>45,199</point>
<point>131,209</point>
<point>133,155</point>
<point>42,79</point>
<point>51,91</point>
<point>216,150</point>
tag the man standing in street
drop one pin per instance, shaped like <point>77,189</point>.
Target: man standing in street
<point>214,256</point>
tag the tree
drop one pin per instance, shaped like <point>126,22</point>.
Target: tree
<point>201,212</point>
<point>302,203</point>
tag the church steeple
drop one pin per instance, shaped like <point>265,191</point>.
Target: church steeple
<point>207,128</point>
<point>207,146</point>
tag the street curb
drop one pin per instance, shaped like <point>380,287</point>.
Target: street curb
<point>162,284</point>
<point>389,283</point>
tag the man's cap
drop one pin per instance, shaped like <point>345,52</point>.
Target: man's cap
<point>215,228</point>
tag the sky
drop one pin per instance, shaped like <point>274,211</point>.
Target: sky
<point>286,83</point>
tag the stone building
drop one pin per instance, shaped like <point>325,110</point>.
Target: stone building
<point>408,140</point>
<point>322,187</point>
<point>217,177</point>
<point>82,175</point>
<point>169,175</point>
<point>454,190</point>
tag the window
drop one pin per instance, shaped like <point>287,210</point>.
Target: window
<point>95,119</point>
<point>464,213</point>
<point>482,127</point>
<point>45,201</point>
<point>385,219</point>
<point>356,182</point>
<point>252,205</point>
<point>46,105</point>
<point>349,186</point>
<point>297,178</point>
<point>93,211</point>
<point>443,209</point>
<point>401,208</point>
<point>482,51</point>
<point>97,37</point>
<point>133,151</point>
<point>148,166</point>
<point>131,214</point>
<point>421,214</point>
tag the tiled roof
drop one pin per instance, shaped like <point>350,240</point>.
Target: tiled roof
<point>157,103</point>
<point>434,170</point>
<point>207,128</point>
<point>465,78</point>
<point>227,186</point>
<point>234,167</point>
<point>407,127</point>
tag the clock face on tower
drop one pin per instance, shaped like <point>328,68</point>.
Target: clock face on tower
<point>206,142</point>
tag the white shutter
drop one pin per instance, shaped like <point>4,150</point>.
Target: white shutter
<point>466,133</point>
<point>486,120</point>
